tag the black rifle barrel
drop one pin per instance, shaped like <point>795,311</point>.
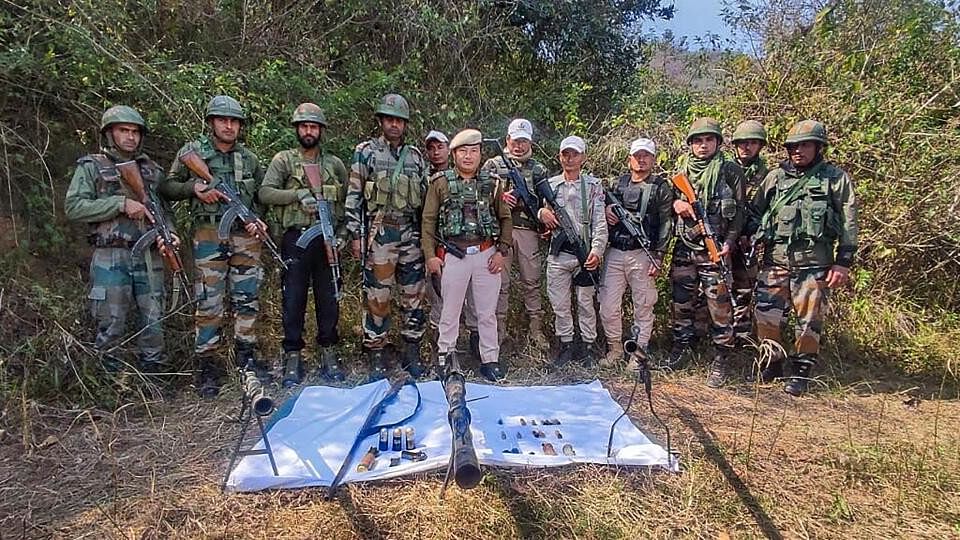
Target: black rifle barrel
<point>464,463</point>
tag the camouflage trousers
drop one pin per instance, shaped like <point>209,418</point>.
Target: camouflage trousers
<point>688,274</point>
<point>806,290</point>
<point>118,281</point>
<point>744,279</point>
<point>393,257</point>
<point>235,260</point>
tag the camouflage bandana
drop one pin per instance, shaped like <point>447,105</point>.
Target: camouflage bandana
<point>705,173</point>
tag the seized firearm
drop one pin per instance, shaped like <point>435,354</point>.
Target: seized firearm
<point>130,174</point>
<point>682,183</point>
<point>323,227</point>
<point>235,207</point>
<point>626,219</point>
<point>463,466</point>
<point>530,202</point>
<point>254,403</point>
<point>444,247</point>
<point>568,233</point>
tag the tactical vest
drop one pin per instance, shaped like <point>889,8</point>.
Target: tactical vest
<point>233,168</point>
<point>721,208</point>
<point>293,215</point>
<point>394,182</point>
<point>636,198</point>
<point>120,231</point>
<point>467,210</point>
<point>527,170</point>
<point>802,215</point>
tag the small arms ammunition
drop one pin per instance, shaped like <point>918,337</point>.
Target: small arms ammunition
<point>548,449</point>
<point>568,450</point>
<point>394,461</point>
<point>418,455</point>
<point>410,441</point>
<point>397,440</point>
<point>559,435</point>
<point>366,463</point>
<point>384,439</point>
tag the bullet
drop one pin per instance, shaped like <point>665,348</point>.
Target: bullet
<point>366,463</point>
<point>411,443</point>
<point>384,439</point>
<point>397,440</point>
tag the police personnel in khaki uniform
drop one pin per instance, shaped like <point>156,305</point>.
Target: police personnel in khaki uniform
<point>437,149</point>
<point>464,207</point>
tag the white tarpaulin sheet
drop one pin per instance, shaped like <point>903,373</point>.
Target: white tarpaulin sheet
<point>312,432</point>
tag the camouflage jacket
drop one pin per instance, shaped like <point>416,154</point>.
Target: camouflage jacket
<point>532,171</point>
<point>725,205</point>
<point>238,167</point>
<point>806,219</point>
<point>284,185</point>
<point>586,213</point>
<point>384,182</point>
<point>96,196</point>
<point>486,203</point>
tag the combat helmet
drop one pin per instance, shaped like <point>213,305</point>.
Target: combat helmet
<point>308,112</point>
<point>807,130</point>
<point>225,106</point>
<point>394,105</point>
<point>705,126</point>
<point>749,130</point>
<point>122,114</point>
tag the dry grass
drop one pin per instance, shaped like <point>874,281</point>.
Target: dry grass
<point>834,465</point>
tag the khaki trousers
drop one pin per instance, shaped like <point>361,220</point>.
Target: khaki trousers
<point>623,269</point>
<point>560,271</point>
<point>458,276</point>
<point>526,253</point>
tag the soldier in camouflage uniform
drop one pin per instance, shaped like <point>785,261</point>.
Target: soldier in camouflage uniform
<point>384,198</point>
<point>286,186</point>
<point>581,196</point>
<point>118,278</point>
<point>526,237</point>
<point>805,217</point>
<point>464,207</point>
<point>748,139</point>
<point>719,186</point>
<point>648,200</point>
<point>235,260</point>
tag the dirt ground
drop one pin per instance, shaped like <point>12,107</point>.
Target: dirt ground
<point>757,463</point>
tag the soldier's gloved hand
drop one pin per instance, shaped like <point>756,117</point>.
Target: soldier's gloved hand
<point>308,202</point>
<point>549,218</point>
<point>509,198</point>
<point>207,195</point>
<point>683,209</point>
<point>837,276</point>
<point>136,210</point>
<point>612,218</point>
<point>435,265</point>
<point>495,264</point>
<point>592,262</point>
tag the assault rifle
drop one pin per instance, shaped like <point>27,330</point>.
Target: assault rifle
<point>531,205</point>
<point>323,227</point>
<point>130,174</point>
<point>568,233</point>
<point>463,465</point>
<point>626,219</point>
<point>235,207</point>
<point>682,183</point>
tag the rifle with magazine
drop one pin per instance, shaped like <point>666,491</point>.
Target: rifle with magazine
<point>323,227</point>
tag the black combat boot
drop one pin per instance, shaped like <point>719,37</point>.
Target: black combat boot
<point>475,344</point>
<point>377,360</point>
<point>589,357</point>
<point>293,369</point>
<point>565,355</point>
<point>798,383</point>
<point>411,359</point>
<point>210,373</point>
<point>676,357</point>
<point>719,369</point>
<point>328,366</point>
<point>492,371</point>
<point>770,372</point>
<point>246,359</point>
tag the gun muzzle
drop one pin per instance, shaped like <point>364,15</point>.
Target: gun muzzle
<point>630,346</point>
<point>260,403</point>
<point>466,467</point>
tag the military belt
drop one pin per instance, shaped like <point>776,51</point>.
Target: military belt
<point>473,248</point>
<point>395,221</point>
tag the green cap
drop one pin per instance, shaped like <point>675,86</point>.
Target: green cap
<point>308,112</point>
<point>705,126</point>
<point>225,106</point>
<point>394,105</point>
<point>122,114</point>
<point>749,130</point>
<point>807,130</point>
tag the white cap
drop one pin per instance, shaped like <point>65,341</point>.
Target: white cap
<point>573,142</point>
<point>436,136</point>
<point>520,128</point>
<point>643,144</point>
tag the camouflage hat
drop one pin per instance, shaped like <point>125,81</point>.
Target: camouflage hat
<point>467,137</point>
<point>749,130</point>
<point>704,126</point>
<point>807,130</point>
<point>308,112</point>
<point>394,105</point>
<point>225,106</point>
<point>122,114</point>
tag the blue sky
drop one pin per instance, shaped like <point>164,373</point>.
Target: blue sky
<point>694,18</point>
